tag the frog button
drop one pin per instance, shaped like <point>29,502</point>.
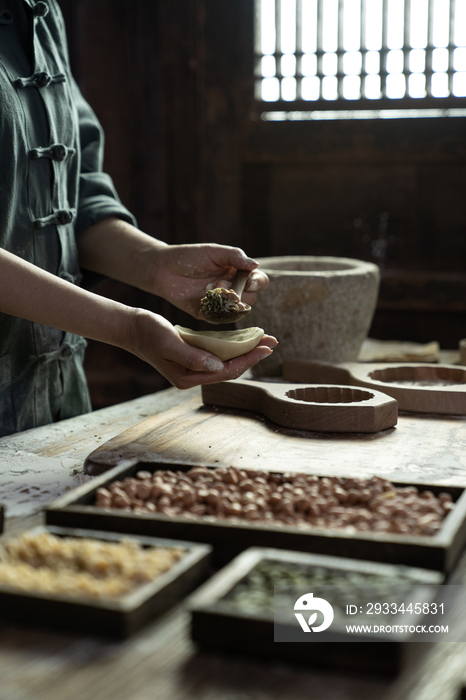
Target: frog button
<point>34,154</point>
<point>64,217</point>
<point>6,17</point>
<point>38,224</point>
<point>59,152</point>
<point>40,9</point>
<point>43,79</point>
<point>66,352</point>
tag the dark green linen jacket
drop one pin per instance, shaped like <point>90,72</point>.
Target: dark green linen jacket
<point>52,189</point>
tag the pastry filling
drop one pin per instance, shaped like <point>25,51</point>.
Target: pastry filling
<point>220,299</point>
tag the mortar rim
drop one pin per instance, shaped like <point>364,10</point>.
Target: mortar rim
<point>352,266</point>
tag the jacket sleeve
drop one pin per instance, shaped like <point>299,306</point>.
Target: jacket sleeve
<point>98,198</point>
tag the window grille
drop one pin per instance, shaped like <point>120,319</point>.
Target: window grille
<point>360,54</point>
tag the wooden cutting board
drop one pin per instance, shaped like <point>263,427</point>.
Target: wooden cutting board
<point>425,448</point>
<point>418,387</point>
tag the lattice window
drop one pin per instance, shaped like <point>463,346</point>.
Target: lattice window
<point>360,54</point>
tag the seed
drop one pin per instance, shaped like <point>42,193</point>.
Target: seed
<point>121,500</point>
<point>143,490</point>
<point>444,498</point>
<point>143,475</point>
<point>212,497</point>
<point>231,477</point>
<point>302,504</point>
<point>353,497</point>
<point>234,509</point>
<point>188,498</point>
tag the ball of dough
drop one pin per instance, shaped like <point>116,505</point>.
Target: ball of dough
<point>223,344</point>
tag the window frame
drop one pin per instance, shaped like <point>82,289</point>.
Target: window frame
<point>428,102</point>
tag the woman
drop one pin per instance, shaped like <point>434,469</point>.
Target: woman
<point>60,214</point>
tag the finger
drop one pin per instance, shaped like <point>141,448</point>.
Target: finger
<point>238,365</point>
<point>232,368</point>
<point>257,281</point>
<point>268,340</point>
<point>226,284</point>
<point>200,361</point>
<point>191,358</point>
<point>229,256</point>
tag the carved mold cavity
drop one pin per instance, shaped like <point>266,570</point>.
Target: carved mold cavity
<point>329,394</point>
<point>420,376</point>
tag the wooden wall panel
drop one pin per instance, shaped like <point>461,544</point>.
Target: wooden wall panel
<point>423,140</point>
<point>401,216</point>
<point>442,216</point>
<point>387,191</point>
<point>366,211</point>
<point>227,85</point>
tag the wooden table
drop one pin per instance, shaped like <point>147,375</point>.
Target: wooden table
<point>161,662</point>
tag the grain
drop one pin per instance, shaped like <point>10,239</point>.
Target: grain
<point>87,567</point>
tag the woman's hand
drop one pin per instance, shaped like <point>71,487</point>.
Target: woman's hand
<point>182,273</point>
<point>178,273</point>
<point>156,341</point>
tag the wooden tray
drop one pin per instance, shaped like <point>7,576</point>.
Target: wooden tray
<point>439,552</point>
<point>418,387</point>
<point>218,624</point>
<point>336,409</point>
<point>115,618</point>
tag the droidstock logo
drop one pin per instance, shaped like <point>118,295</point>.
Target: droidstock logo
<point>308,603</point>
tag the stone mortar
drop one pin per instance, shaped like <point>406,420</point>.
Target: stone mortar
<point>319,308</point>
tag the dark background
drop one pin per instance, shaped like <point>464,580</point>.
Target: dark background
<point>172,84</point>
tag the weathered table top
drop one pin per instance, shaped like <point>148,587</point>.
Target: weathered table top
<point>161,662</point>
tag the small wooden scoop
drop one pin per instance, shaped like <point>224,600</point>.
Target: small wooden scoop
<point>339,409</point>
<point>418,387</point>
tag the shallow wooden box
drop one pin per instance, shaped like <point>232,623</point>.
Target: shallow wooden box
<point>106,617</point>
<point>439,552</point>
<point>217,623</point>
